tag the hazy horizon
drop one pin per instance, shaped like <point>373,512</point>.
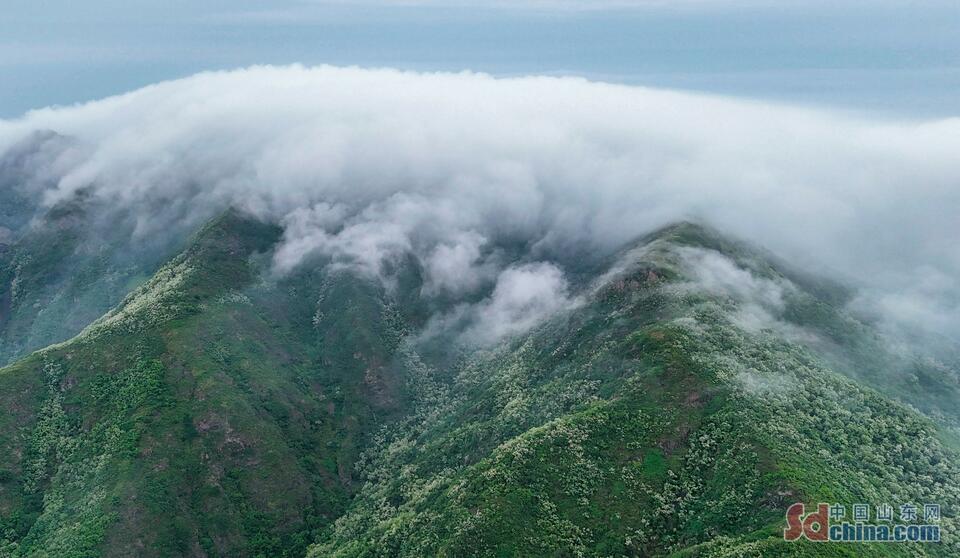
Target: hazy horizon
<point>876,57</point>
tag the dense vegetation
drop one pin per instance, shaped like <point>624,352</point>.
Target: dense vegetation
<point>646,422</point>
<point>695,389</point>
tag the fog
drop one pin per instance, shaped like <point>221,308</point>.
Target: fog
<point>367,166</point>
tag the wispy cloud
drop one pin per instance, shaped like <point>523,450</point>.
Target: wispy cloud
<point>368,166</point>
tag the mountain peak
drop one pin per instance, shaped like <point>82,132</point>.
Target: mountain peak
<point>677,403</point>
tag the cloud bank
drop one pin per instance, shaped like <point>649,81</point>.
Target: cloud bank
<point>367,166</point>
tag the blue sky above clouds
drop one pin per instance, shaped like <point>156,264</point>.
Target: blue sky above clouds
<point>896,57</point>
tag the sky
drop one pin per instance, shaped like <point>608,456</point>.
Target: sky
<point>898,58</point>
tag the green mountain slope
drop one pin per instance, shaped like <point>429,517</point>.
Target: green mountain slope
<point>661,416</point>
<point>206,415</point>
<point>693,390</point>
<point>65,270</point>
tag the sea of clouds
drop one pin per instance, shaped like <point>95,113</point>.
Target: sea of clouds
<point>367,166</point>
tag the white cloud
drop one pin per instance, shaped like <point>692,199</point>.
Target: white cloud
<point>759,300</point>
<point>368,165</point>
<point>931,303</point>
<point>523,297</point>
<point>457,266</point>
<point>715,273</point>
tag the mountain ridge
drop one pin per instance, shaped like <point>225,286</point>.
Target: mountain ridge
<point>219,410</point>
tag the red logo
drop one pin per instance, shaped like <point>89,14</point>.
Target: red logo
<point>813,526</point>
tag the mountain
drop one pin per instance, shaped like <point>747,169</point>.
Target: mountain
<point>61,273</point>
<point>690,390</point>
<point>26,169</point>
<point>64,263</point>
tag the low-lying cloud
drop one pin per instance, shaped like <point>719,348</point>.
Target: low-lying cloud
<point>523,296</point>
<point>760,301</point>
<point>367,166</point>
